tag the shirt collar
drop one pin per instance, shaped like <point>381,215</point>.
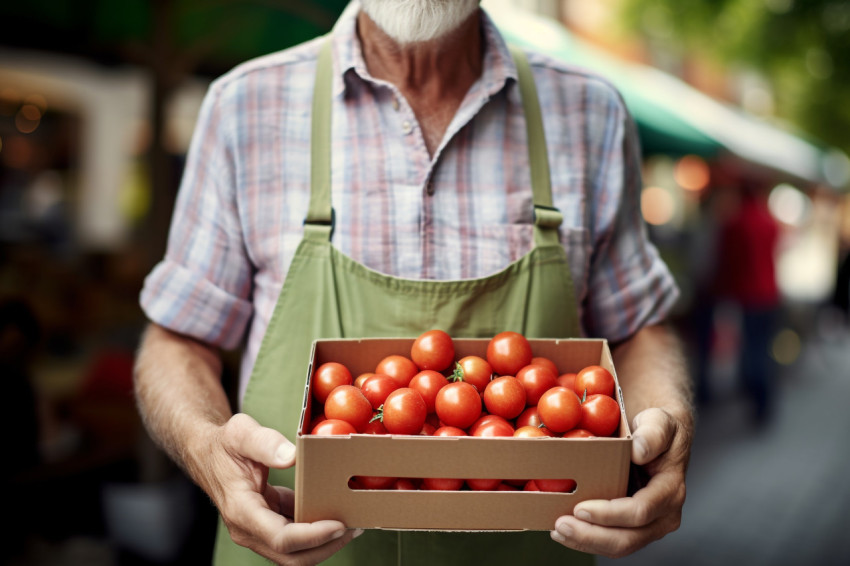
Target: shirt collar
<point>348,56</point>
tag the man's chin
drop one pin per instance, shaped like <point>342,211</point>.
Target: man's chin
<point>418,21</point>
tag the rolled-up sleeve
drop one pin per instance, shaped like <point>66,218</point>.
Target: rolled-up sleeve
<point>629,285</point>
<point>202,287</point>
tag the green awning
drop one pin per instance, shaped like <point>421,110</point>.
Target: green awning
<point>674,118</point>
<point>660,129</point>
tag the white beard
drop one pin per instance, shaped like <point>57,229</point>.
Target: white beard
<point>415,21</point>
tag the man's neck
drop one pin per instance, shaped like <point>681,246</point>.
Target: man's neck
<point>433,76</point>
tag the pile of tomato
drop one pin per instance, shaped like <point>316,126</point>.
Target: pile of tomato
<point>509,392</point>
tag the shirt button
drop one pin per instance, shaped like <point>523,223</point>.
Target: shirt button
<point>406,127</point>
<point>396,105</point>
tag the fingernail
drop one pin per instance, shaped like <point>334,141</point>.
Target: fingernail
<point>557,537</point>
<point>357,533</point>
<point>583,515</point>
<point>285,453</point>
<point>641,447</point>
<point>564,530</point>
<point>337,534</point>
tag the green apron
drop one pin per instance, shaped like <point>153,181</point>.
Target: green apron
<point>326,294</point>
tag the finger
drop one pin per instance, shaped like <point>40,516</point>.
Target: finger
<point>607,541</point>
<point>322,553</point>
<point>309,536</point>
<point>285,499</point>
<point>244,436</point>
<point>654,430</point>
<point>255,521</point>
<point>664,494</point>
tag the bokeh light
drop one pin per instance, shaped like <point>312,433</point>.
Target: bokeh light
<point>27,119</point>
<point>657,205</point>
<point>692,173</point>
<point>786,347</point>
<point>789,205</point>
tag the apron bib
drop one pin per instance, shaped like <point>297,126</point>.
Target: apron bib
<point>326,294</point>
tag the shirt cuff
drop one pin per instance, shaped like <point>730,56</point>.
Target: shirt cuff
<point>184,302</point>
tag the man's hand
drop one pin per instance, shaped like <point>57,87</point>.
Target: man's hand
<point>232,466</point>
<point>180,396</point>
<point>661,444</point>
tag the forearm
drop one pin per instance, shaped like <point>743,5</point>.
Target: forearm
<point>178,391</point>
<point>652,372</point>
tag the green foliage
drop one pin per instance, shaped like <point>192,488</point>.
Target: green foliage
<point>800,46</point>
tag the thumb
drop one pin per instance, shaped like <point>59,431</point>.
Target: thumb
<point>653,432</point>
<point>246,437</point>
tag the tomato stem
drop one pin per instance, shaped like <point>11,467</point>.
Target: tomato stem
<point>457,374</point>
<point>379,415</point>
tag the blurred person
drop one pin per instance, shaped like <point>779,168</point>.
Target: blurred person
<point>746,276</point>
<point>419,190</point>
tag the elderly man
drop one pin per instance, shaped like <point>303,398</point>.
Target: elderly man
<point>401,162</point>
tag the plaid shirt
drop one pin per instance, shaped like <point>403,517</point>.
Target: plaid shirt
<point>463,213</point>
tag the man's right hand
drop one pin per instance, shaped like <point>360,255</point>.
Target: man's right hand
<point>232,465</point>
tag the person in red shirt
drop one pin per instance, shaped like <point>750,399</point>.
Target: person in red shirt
<point>746,275</point>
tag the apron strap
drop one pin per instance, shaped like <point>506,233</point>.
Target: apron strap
<point>320,220</point>
<point>547,218</point>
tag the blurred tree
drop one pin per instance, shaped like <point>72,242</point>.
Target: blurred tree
<point>801,47</point>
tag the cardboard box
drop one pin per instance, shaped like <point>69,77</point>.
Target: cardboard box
<point>600,466</point>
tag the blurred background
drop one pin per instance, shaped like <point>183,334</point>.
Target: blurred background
<point>741,109</point>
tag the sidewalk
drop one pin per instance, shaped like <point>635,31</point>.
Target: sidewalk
<point>777,495</point>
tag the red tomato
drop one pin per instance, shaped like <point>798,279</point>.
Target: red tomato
<point>505,396</point>
<point>458,404</point>
<point>532,432</point>
<point>347,403</point>
<point>506,487</point>
<point>559,409</point>
<point>428,383</point>
<point>358,381</point>
<point>529,417</point>
<point>492,428</point>
<point>487,421</point>
<point>449,431</point>
<point>375,482</point>
<point>594,380</point>
<point>600,414</point>
<point>483,484</point>
<point>508,352</point>
<point>404,412</point>
<point>578,433</point>
<point>374,426</point>
<point>541,361</point>
<point>433,350</point>
<point>333,427</point>
<point>537,380</point>
<point>376,388</point>
<point>557,486</point>
<point>404,484</point>
<point>567,380</point>
<point>327,377</point>
<point>531,485</point>
<point>398,367</point>
<point>442,484</point>
<point>427,429</point>
<point>474,370</point>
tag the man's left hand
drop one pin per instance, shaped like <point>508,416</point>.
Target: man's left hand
<point>616,528</point>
